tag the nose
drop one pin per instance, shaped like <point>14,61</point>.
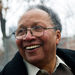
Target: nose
<point>29,36</point>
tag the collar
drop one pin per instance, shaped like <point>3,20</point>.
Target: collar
<point>58,61</point>
<point>32,70</point>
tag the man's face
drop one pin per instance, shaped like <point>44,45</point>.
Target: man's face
<point>38,50</point>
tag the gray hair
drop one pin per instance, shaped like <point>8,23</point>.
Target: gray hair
<point>54,17</point>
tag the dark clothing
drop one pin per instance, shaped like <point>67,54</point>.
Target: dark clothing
<point>62,70</point>
<point>17,67</point>
<point>68,57</point>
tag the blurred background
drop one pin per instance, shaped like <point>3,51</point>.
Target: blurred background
<point>10,12</point>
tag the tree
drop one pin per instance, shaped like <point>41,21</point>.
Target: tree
<point>2,21</point>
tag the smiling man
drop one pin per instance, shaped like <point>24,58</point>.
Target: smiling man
<point>37,37</point>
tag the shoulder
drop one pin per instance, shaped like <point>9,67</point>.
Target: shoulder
<point>15,66</point>
<point>68,52</point>
<point>68,57</point>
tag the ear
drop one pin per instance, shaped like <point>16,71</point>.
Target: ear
<point>58,36</point>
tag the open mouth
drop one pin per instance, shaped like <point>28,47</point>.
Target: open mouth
<point>32,47</point>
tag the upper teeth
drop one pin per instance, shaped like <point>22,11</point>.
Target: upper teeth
<point>31,47</point>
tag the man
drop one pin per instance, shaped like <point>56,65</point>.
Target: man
<point>37,37</point>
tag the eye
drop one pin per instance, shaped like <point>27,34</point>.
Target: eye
<point>37,28</point>
<point>21,31</point>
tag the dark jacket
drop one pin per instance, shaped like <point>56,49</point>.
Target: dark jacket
<point>17,67</point>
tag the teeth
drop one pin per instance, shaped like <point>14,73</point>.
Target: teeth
<point>32,47</point>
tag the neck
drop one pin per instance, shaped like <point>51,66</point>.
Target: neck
<point>48,65</point>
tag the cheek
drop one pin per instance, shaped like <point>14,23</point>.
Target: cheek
<point>49,47</point>
<point>47,38</point>
<point>19,43</point>
<point>46,43</point>
<point>49,42</point>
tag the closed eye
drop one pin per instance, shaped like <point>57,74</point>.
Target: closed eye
<point>37,28</point>
<point>21,32</point>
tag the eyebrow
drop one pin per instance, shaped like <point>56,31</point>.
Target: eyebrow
<point>34,23</point>
<point>22,25</point>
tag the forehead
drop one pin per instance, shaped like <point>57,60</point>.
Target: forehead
<point>35,15</point>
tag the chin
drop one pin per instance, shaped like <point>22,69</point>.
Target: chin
<point>34,60</point>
